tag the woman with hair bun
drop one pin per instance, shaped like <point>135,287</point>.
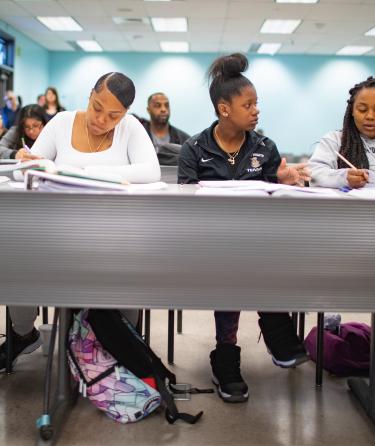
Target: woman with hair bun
<point>231,149</point>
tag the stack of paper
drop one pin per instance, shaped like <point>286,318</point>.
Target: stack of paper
<point>251,187</point>
<point>53,182</point>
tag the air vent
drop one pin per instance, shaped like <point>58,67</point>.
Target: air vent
<point>131,20</point>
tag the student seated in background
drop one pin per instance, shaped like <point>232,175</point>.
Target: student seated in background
<point>103,139</point>
<point>356,142</point>
<point>41,99</point>
<point>30,124</point>
<point>11,110</point>
<point>166,138</point>
<point>231,149</point>
<point>52,104</point>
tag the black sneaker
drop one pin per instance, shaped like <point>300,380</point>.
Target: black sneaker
<point>21,345</point>
<point>282,341</point>
<point>226,373</point>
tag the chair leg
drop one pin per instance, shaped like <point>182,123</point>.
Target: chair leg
<point>9,340</point>
<point>45,315</point>
<point>319,350</point>
<point>170,336</point>
<point>295,320</point>
<point>179,321</point>
<point>301,326</point>
<point>147,326</point>
<point>139,326</point>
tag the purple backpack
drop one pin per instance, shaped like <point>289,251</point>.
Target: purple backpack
<point>110,387</point>
<point>346,352</point>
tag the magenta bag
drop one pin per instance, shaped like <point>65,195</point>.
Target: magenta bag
<point>346,352</point>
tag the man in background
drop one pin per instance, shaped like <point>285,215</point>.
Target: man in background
<point>166,138</point>
<point>11,109</point>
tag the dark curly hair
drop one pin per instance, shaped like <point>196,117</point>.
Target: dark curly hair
<point>352,147</point>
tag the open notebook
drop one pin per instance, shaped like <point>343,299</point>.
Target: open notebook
<point>36,179</point>
<point>62,177</point>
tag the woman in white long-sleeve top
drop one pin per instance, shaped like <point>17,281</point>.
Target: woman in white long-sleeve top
<point>104,140</point>
<point>356,142</point>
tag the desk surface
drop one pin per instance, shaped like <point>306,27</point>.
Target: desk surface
<point>173,249</point>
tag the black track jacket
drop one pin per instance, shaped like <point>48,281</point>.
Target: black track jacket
<point>202,159</point>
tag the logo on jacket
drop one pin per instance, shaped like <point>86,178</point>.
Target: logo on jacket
<point>254,162</point>
<point>203,160</point>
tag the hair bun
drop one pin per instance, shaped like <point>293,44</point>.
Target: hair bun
<point>229,66</point>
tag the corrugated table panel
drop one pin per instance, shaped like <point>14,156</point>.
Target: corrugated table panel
<point>186,251</point>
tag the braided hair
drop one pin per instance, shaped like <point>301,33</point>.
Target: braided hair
<point>352,147</point>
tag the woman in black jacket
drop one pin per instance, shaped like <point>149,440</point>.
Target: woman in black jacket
<point>231,149</point>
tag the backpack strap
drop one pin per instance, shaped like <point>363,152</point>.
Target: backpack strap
<point>191,391</point>
<point>171,413</point>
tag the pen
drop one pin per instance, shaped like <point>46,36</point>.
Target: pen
<point>25,146</point>
<point>345,160</point>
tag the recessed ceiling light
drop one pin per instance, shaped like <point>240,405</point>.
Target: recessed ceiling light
<point>173,24</point>
<point>370,32</point>
<point>269,48</point>
<point>296,1</point>
<point>89,45</point>
<point>174,47</point>
<point>279,26</point>
<point>60,23</point>
<point>354,50</point>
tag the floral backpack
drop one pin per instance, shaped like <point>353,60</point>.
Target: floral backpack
<point>117,371</point>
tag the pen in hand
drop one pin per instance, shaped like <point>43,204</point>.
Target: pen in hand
<point>25,146</point>
<point>353,179</point>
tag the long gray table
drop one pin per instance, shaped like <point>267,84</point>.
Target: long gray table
<point>172,249</point>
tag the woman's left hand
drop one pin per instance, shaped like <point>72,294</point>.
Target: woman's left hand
<point>293,175</point>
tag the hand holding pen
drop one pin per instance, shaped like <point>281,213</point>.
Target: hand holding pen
<point>356,177</point>
<point>25,154</point>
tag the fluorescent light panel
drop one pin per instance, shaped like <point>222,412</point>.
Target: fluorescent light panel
<point>296,1</point>
<point>370,32</point>
<point>279,26</point>
<point>174,47</point>
<point>89,45</point>
<point>354,50</point>
<point>60,23</point>
<point>172,24</point>
<point>269,48</point>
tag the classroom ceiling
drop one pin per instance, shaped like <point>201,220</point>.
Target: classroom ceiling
<point>213,25</point>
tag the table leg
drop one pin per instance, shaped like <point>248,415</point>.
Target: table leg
<point>66,395</point>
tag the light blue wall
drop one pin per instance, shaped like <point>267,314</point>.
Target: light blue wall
<point>31,66</point>
<point>300,97</point>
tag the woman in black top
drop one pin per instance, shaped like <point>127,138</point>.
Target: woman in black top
<point>231,149</point>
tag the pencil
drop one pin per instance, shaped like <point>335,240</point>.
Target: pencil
<point>345,160</point>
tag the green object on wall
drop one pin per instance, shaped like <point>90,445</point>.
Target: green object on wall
<point>18,51</point>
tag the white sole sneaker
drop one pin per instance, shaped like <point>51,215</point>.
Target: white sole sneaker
<point>228,398</point>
